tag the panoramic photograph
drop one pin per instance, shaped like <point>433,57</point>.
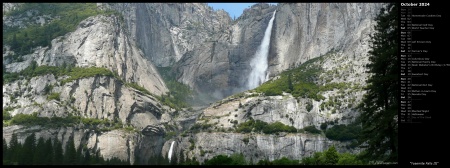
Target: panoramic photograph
<point>200,83</point>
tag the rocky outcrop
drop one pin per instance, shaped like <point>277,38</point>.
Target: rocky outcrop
<point>254,147</point>
<point>339,106</point>
<point>196,39</point>
<point>339,103</point>
<point>30,18</point>
<point>9,7</point>
<point>96,97</point>
<point>216,51</point>
<point>99,97</point>
<point>120,144</point>
<point>167,31</point>
<point>300,32</point>
<point>220,65</point>
<point>98,41</point>
<point>307,30</point>
<point>152,130</point>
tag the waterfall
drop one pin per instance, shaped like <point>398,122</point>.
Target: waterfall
<point>259,62</point>
<point>170,150</point>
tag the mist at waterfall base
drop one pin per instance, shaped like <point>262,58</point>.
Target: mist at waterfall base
<point>259,63</point>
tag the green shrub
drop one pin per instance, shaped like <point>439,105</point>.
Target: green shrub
<point>298,81</point>
<point>6,115</point>
<point>73,73</point>
<point>343,132</point>
<point>323,126</point>
<point>33,119</point>
<point>28,120</point>
<point>192,144</point>
<point>179,93</point>
<point>312,129</point>
<point>246,140</point>
<point>78,73</point>
<point>285,161</point>
<point>169,135</point>
<point>202,152</point>
<point>348,159</point>
<point>137,87</point>
<point>234,159</point>
<point>261,126</point>
<point>197,127</point>
<point>331,157</point>
<point>129,129</point>
<point>9,108</point>
<point>53,96</point>
<point>219,160</point>
<point>48,88</point>
<point>309,106</point>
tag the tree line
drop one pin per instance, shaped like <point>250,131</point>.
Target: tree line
<point>50,152</point>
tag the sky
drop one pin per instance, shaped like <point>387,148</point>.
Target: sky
<point>234,9</point>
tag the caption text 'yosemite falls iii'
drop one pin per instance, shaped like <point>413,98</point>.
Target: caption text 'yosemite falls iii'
<point>189,84</point>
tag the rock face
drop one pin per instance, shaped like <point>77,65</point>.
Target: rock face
<point>339,103</point>
<point>254,147</point>
<point>220,65</point>
<point>116,143</point>
<point>167,31</point>
<point>9,7</point>
<point>95,97</point>
<point>98,41</point>
<point>307,30</point>
<point>194,38</point>
<point>23,20</point>
<point>337,107</point>
<point>216,50</point>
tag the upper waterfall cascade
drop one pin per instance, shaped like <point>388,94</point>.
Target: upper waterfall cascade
<point>259,63</point>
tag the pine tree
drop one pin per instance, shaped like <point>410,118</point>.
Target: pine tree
<point>14,43</point>
<point>173,160</point>
<point>39,153</point>
<point>182,160</point>
<point>26,154</point>
<point>97,159</point>
<point>49,152</point>
<point>79,156</point>
<point>94,158</point>
<point>70,152</point>
<point>87,158</point>
<point>5,150</point>
<point>14,148</point>
<point>101,160</point>
<point>58,153</point>
<point>137,159</point>
<point>331,156</point>
<point>379,106</point>
<point>290,86</point>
